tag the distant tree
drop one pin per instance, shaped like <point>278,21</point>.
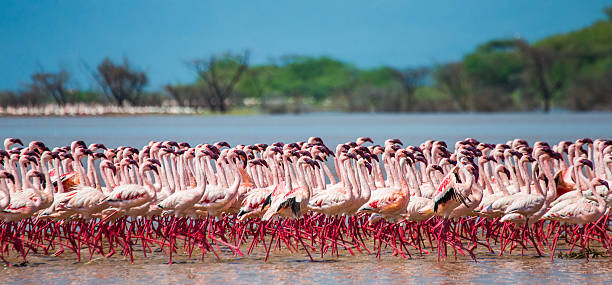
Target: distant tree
<point>410,78</point>
<point>188,95</point>
<point>121,82</point>
<point>451,78</point>
<point>51,84</point>
<point>539,61</point>
<point>221,74</point>
<point>608,11</point>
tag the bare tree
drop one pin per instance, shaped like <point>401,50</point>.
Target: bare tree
<point>120,82</point>
<point>221,74</point>
<point>52,84</point>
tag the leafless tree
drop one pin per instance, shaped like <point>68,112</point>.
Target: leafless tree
<point>221,74</point>
<point>52,84</point>
<point>120,82</point>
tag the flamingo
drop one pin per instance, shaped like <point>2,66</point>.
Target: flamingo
<point>255,198</point>
<point>527,203</point>
<point>335,200</point>
<point>23,206</point>
<point>182,201</point>
<point>127,196</point>
<point>451,191</point>
<point>294,203</point>
<point>391,201</point>
<point>6,199</point>
<point>217,199</point>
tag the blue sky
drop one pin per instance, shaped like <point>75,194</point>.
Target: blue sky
<point>160,36</point>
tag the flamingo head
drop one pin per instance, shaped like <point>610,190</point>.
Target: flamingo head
<point>81,152</point>
<point>276,149</point>
<point>393,141</point>
<point>46,156</point>
<point>150,167</point>
<point>66,155</point>
<point>99,156</point>
<point>315,140</point>
<point>305,153</point>
<point>324,150</point>
<point>97,146</point>
<point>600,182</point>
<point>3,154</point>
<point>7,175</point>
<point>365,163</point>
<point>239,154</point>
<point>165,151</point>
<point>222,144</point>
<point>503,169</point>
<point>363,140</point>
<point>587,162</point>
<point>184,145</point>
<point>350,155</point>
<point>153,161</point>
<point>438,168</point>
<point>8,142</point>
<point>108,164</point>
<point>307,161</point>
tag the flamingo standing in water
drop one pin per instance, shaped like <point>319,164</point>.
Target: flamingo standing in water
<point>335,200</point>
<point>452,191</point>
<point>217,199</point>
<point>253,203</point>
<point>24,206</point>
<point>182,201</point>
<point>527,203</point>
<point>391,201</point>
<point>294,203</point>
<point>128,196</point>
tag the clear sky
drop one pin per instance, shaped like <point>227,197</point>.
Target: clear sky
<point>160,36</point>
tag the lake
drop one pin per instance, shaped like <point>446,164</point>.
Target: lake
<point>333,128</point>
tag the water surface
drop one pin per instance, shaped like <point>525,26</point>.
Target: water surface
<point>333,128</point>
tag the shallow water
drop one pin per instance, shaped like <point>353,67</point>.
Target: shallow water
<point>333,128</point>
<point>291,269</point>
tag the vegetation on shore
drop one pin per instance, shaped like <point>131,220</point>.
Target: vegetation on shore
<point>570,71</point>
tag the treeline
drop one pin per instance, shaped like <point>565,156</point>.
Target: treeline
<point>569,71</point>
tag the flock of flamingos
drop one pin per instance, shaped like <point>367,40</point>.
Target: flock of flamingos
<point>373,199</point>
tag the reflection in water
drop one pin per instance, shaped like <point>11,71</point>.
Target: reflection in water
<point>334,129</point>
<point>291,269</point>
